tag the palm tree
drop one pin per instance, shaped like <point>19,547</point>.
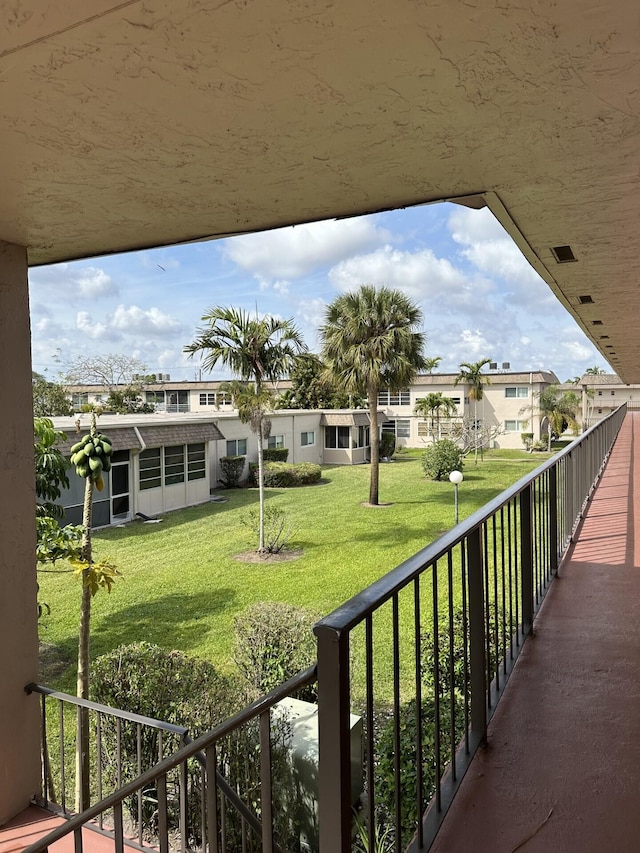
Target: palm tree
<point>435,403</point>
<point>370,341</point>
<point>560,410</point>
<point>257,351</point>
<point>430,364</point>
<point>594,371</point>
<point>471,374</point>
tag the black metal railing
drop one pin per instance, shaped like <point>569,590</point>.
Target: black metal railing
<point>216,791</point>
<point>422,655</point>
<point>425,652</point>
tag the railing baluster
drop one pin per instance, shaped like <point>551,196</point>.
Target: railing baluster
<point>99,763</point>
<point>140,792</point>
<point>477,637</point>
<point>436,683</point>
<point>397,752</point>
<point>183,782</point>
<point>526,559</point>
<point>334,806</point>
<point>77,840</point>
<point>369,744</point>
<point>118,828</point>
<point>266,794</point>
<point>163,819</point>
<point>465,645</point>
<point>63,780</point>
<point>212,800</point>
<point>452,673</point>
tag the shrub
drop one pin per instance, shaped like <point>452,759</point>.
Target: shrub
<point>540,446</point>
<point>527,439</point>
<point>273,642</point>
<point>231,468</point>
<point>387,444</point>
<point>177,688</point>
<point>283,475</point>
<point>287,474</point>
<point>441,458</point>
<point>276,454</point>
<point>277,528</point>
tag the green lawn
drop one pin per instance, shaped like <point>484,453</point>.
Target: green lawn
<point>182,586</point>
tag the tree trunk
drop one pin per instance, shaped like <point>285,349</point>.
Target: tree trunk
<point>261,548</point>
<point>82,737</point>
<point>374,439</point>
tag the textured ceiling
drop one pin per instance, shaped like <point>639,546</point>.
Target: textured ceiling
<point>146,123</point>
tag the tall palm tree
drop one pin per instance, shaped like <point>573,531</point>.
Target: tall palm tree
<point>594,371</point>
<point>370,341</point>
<point>430,364</point>
<point>559,408</point>
<point>471,374</point>
<point>435,403</point>
<point>257,351</point>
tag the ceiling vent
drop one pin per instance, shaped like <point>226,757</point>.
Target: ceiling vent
<point>585,300</point>
<point>604,337</point>
<point>596,323</point>
<point>563,254</point>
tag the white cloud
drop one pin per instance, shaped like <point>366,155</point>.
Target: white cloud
<point>152,321</point>
<point>420,274</point>
<point>73,281</point>
<point>291,253</point>
<point>94,330</point>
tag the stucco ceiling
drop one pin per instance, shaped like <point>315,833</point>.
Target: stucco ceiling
<point>157,121</point>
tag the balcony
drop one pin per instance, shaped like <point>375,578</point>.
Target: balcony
<point>529,735</point>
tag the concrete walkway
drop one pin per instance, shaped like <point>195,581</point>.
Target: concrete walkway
<point>561,773</point>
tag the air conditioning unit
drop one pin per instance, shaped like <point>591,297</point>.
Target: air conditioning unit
<point>493,365</point>
<point>163,377</point>
<point>506,365</point>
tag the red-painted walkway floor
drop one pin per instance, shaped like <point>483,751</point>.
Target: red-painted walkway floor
<point>33,823</point>
<point>561,773</point>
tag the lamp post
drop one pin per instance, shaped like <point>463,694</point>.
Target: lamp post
<point>456,478</point>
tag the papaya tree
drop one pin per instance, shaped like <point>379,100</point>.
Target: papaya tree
<point>92,458</point>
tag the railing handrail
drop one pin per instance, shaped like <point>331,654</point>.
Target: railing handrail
<point>255,709</point>
<point>356,609</point>
<point>106,709</point>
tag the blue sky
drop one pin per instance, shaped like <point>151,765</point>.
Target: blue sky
<point>479,297</point>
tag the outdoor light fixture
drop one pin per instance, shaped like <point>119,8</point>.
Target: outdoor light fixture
<point>456,478</point>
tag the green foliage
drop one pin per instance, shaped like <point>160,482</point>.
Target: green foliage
<point>277,529</point>
<point>540,446</point>
<point>231,468</point>
<point>387,445</point>
<point>289,474</point>
<point>56,543</point>
<point>527,439</point>
<point>51,467</point>
<point>276,454</point>
<point>441,458</point>
<point>273,642</point>
<point>313,388</point>
<point>50,399</point>
<point>127,401</point>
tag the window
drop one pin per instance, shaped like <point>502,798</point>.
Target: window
<point>599,393</point>
<point>336,437</point>
<point>401,427</point>
<point>155,397</point>
<point>514,426</point>
<point>307,439</point>
<point>150,477</point>
<point>196,462</point>
<point>456,400</point>
<point>79,399</point>
<point>208,399</point>
<point>363,437</point>
<point>423,428</point>
<point>613,393</point>
<point>174,464</point>
<point>237,447</point>
<point>520,391</point>
<point>394,398</point>
<point>275,441</point>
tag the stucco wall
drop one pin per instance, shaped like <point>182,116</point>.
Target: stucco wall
<point>19,730</point>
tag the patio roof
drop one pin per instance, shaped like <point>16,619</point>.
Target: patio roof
<point>138,124</point>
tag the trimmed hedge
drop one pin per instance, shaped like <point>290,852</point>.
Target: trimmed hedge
<point>285,475</point>
<point>231,468</point>
<point>276,454</point>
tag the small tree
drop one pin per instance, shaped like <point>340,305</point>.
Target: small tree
<point>560,409</point>
<point>256,350</point>
<point>370,340</point>
<point>471,374</point>
<point>50,399</point>
<point>111,371</point>
<point>441,458</point>
<point>91,456</point>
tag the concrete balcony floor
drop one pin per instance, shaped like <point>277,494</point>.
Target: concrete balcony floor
<point>561,773</point>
